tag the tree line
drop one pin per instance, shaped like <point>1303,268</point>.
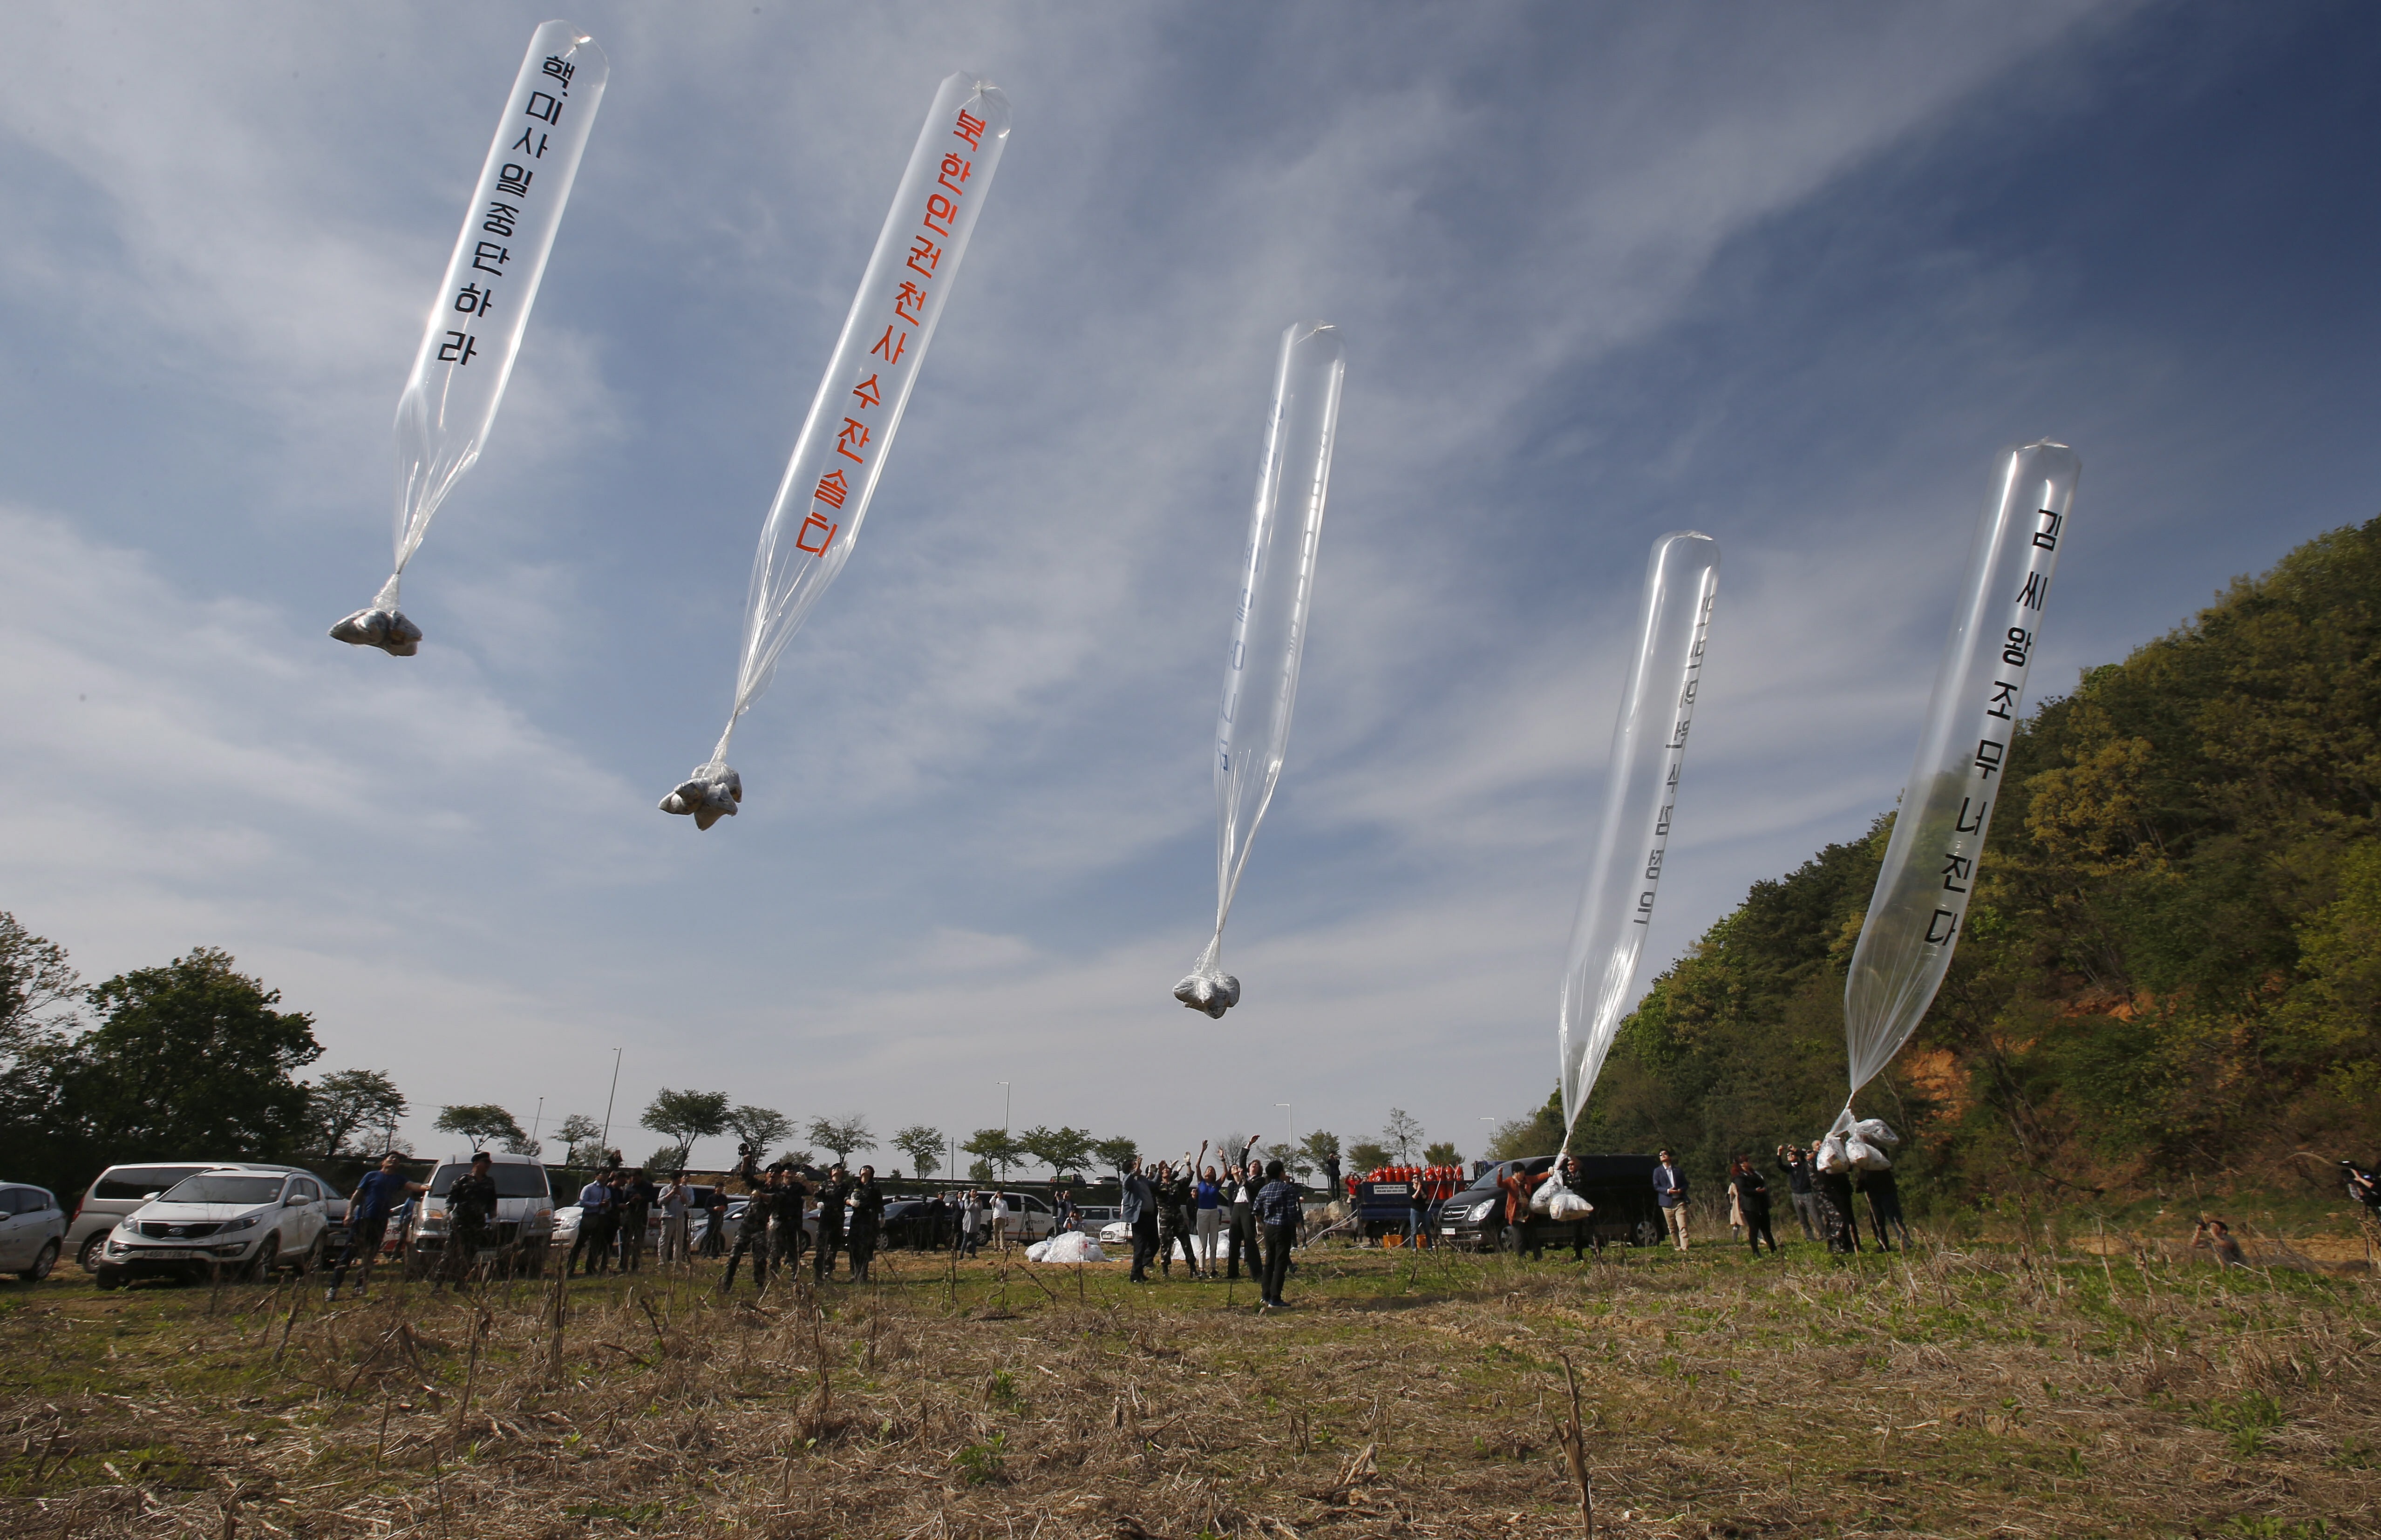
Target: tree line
<point>2171,972</point>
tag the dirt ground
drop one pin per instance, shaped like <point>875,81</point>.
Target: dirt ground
<point>1978,1391</point>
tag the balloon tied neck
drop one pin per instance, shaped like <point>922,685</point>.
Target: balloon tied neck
<point>711,793</point>
<point>1207,987</point>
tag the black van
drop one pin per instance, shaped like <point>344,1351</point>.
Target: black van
<point>1620,1186</point>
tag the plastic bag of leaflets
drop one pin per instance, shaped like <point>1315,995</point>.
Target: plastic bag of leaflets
<point>1867,1142</point>
<point>1558,1202</point>
<point>1834,1159</point>
<point>1074,1246</point>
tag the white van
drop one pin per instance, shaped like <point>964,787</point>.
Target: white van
<point>524,1222</point>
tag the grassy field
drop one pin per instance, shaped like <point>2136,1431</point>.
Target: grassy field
<point>1980,1390</point>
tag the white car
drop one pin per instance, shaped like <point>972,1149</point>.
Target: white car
<point>523,1228</point>
<point>32,1232</point>
<point>235,1221</point>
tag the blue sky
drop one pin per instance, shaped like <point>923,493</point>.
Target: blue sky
<point>1789,275</point>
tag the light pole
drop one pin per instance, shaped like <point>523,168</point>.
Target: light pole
<point>1006,1094</point>
<point>1289,1124</point>
<point>608,1100</point>
<point>534,1122</point>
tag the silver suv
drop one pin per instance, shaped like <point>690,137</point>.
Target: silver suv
<point>122,1189</point>
<point>231,1220</point>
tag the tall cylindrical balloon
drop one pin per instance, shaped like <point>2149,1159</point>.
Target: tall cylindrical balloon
<point>474,333</point>
<point>1269,625</point>
<point>1931,862</point>
<point>814,522</point>
<point>1640,801</point>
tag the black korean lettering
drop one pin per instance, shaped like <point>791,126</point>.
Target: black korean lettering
<point>2004,701</point>
<point>1942,927</point>
<point>459,348</point>
<point>1644,908</point>
<point>471,299</point>
<point>2037,589</point>
<point>1956,866</point>
<point>549,113</point>
<point>1662,820</point>
<point>1962,824</point>
<point>561,69</point>
<point>1989,755</point>
<point>500,217</point>
<point>532,143</point>
<point>2018,648</point>
<point>2047,536</point>
<point>514,179</point>
<point>488,251</point>
<point>1654,864</point>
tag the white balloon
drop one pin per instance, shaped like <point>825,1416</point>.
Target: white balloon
<point>1640,800</point>
<point>815,519</point>
<point>1269,626</point>
<point>474,332</point>
<point>1924,888</point>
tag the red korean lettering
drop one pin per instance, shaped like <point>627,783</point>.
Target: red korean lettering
<point>922,247</point>
<point>942,208</point>
<point>868,391</point>
<point>970,128</point>
<point>889,350</point>
<point>833,489</point>
<point>854,436</point>
<point>819,528</point>
<point>910,304</point>
<point>954,167</point>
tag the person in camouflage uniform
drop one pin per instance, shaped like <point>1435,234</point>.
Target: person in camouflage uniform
<point>753,1234</point>
<point>867,1222</point>
<point>471,1221</point>
<point>789,1199</point>
<point>1173,1222</point>
<point>832,1193</point>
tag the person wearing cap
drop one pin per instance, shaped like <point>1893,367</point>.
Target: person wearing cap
<point>378,1196</point>
<point>471,1219</point>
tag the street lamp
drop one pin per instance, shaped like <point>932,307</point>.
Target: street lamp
<point>1289,1124</point>
<point>1005,1095</point>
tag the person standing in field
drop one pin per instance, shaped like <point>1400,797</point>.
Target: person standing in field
<point>1750,1193</point>
<point>833,1195</point>
<point>379,1195</point>
<point>595,1203</point>
<point>1139,1215</point>
<point>470,1221</point>
<point>753,1234</point>
<point>715,1228</point>
<point>999,1221</point>
<point>1796,1163</point>
<point>1241,1237</point>
<point>1670,1191</point>
<point>676,1202</point>
<point>1209,1197</point>
<point>970,1215</point>
<point>1280,1212</point>
<point>1835,1204</point>
<point>1885,1207</point>
<point>867,1222</point>
<point>635,1213</point>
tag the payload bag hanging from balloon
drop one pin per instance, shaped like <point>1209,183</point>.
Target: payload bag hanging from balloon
<point>1936,853</point>
<point>1269,624</point>
<point>468,347</point>
<point>815,520</point>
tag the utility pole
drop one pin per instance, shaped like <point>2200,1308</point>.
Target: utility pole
<point>609,1100</point>
<point>1289,1124</point>
<point>1006,1094</point>
<point>535,1122</point>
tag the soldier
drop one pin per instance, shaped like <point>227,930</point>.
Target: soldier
<point>788,1198</point>
<point>832,1194</point>
<point>470,1219</point>
<point>753,1234</point>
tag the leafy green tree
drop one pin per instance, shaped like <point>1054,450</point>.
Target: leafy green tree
<point>842,1135</point>
<point>686,1116</point>
<point>997,1147</point>
<point>762,1128</point>
<point>358,1105</point>
<point>190,1057</point>
<point>1118,1154</point>
<point>1292,1159</point>
<point>667,1161</point>
<point>1061,1149</point>
<point>1443,1152</point>
<point>1540,1133</point>
<point>923,1145</point>
<point>479,1123</point>
<point>581,1138</point>
<point>1366,1155</point>
<point>38,989</point>
<point>1319,1147</point>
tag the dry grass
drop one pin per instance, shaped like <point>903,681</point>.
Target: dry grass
<point>1960,1393</point>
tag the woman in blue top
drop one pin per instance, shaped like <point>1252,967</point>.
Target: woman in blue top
<point>1210,1199</point>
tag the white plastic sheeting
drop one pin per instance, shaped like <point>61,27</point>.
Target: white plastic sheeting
<point>1269,626</point>
<point>1074,1246</point>
<point>474,332</point>
<point>1641,798</point>
<point>815,519</point>
<point>1931,862</point>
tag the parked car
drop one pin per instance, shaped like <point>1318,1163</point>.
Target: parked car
<point>235,1219</point>
<point>1620,1186</point>
<point>524,1224</point>
<point>698,1221</point>
<point>122,1189</point>
<point>32,1232</point>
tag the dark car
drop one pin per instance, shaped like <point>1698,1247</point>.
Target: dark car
<point>1620,1186</point>
<point>918,1225</point>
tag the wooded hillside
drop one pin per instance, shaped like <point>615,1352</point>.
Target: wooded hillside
<point>2173,964</point>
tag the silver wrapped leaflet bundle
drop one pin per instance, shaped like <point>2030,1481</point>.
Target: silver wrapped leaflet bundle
<point>1210,989</point>
<point>383,626</point>
<point>710,794</point>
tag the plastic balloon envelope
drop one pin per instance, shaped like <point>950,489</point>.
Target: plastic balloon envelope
<point>465,359</point>
<point>823,496</point>
<point>1269,625</point>
<point>1931,861</point>
<point>1640,801</point>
